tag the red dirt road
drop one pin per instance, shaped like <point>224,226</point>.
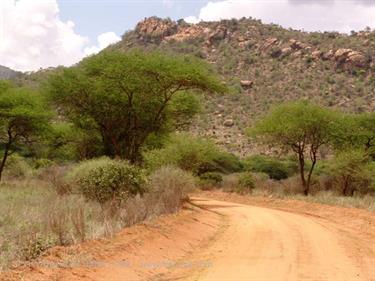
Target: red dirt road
<point>220,240</point>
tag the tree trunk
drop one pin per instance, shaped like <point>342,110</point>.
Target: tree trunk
<point>308,183</point>
<point>5,157</point>
<point>301,164</point>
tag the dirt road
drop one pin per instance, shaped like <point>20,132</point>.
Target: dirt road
<point>217,240</point>
<point>265,244</point>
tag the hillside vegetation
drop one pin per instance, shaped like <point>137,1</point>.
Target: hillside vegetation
<point>265,65</point>
<point>126,134</point>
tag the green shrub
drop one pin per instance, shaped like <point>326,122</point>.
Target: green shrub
<point>192,154</point>
<point>276,169</point>
<point>210,179</point>
<point>111,180</point>
<point>42,163</point>
<point>245,182</point>
<point>17,167</point>
<point>82,169</point>
<point>352,171</point>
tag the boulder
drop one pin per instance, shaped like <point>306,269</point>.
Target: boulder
<point>286,51</point>
<point>219,34</point>
<point>357,59</point>
<point>316,54</point>
<point>328,55</point>
<point>297,45</point>
<point>246,84</point>
<point>341,54</point>
<point>268,43</point>
<point>228,123</point>
<point>348,58</point>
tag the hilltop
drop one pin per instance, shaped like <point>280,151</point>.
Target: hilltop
<point>265,65</point>
<point>7,73</point>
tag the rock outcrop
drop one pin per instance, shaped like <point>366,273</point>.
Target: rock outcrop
<point>349,59</point>
<point>154,27</point>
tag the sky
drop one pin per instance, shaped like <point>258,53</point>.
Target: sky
<point>37,34</point>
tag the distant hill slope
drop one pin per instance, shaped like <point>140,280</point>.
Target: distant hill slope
<point>265,65</point>
<point>7,73</point>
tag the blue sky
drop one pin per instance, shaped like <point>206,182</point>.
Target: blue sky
<point>38,34</point>
<point>93,17</point>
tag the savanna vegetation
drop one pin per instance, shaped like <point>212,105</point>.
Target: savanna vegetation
<point>112,141</point>
<point>76,152</point>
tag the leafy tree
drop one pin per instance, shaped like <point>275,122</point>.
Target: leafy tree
<point>127,97</point>
<point>352,171</point>
<point>23,117</point>
<point>302,128</point>
<point>358,131</point>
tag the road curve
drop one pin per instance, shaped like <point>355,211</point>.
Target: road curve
<point>266,244</point>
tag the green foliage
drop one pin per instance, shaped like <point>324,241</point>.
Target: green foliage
<point>352,171</point>
<point>17,167</point>
<point>246,182</point>
<point>83,168</point>
<point>358,131</point>
<point>23,118</point>
<point>42,163</point>
<point>276,169</point>
<point>210,179</point>
<point>192,154</point>
<point>300,127</point>
<point>128,96</point>
<point>111,180</point>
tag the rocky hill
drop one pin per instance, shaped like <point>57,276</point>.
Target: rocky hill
<point>265,65</point>
<point>7,73</point>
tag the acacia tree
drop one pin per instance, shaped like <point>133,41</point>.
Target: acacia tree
<point>358,132</point>
<point>23,117</point>
<point>127,97</point>
<point>302,128</point>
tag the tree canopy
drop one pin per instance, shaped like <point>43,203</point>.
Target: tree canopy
<point>302,128</point>
<point>126,97</point>
<point>23,117</point>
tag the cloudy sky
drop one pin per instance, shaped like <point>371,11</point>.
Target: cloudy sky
<point>43,33</point>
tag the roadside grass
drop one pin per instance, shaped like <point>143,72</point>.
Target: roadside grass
<point>366,202</point>
<point>36,215</point>
<point>291,189</point>
<point>35,218</point>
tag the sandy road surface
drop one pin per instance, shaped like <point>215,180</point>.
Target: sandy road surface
<point>217,240</point>
<point>265,244</point>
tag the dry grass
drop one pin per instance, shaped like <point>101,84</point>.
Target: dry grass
<point>38,213</point>
<point>291,189</point>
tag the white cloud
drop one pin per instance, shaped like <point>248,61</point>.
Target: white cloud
<point>332,15</point>
<point>168,3</point>
<point>104,40</point>
<point>32,36</point>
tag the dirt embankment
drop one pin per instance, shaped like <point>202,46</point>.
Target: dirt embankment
<point>259,239</point>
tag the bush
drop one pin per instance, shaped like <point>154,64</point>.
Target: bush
<point>42,163</point>
<point>83,168</point>
<point>111,180</point>
<point>170,186</point>
<point>245,182</point>
<point>17,167</point>
<point>210,179</point>
<point>352,171</point>
<point>192,154</point>
<point>276,169</point>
